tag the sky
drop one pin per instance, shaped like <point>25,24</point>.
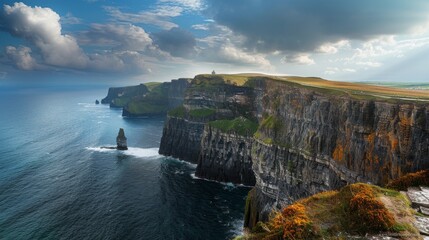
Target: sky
<point>86,41</point>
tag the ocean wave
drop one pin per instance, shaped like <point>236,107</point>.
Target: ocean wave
<point>192,165</point>
<point>227,185</point>
<point>132,151</point>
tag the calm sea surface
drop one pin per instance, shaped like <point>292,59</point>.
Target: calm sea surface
<point>56,183</point>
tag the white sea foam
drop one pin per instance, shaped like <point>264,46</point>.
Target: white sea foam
<point>132,151</point>
<point>227,185</point>
<point>192,165</point>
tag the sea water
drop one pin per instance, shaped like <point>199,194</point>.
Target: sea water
<point>57,183</point>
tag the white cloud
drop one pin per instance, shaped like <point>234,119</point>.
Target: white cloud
<point>118,36</point>
<point>228,53</point>
<point>301,59</point>
<point>160,17</point>
<point>333,48</point>
<point>369,64</point>
<point>41,26</point>
<point>21,57</point>
<point>192,5</point>
<point>70,19</point>
<point>335,70</point>
<point>221,47</point>
<point>204,27</point>
<point>119,61</point>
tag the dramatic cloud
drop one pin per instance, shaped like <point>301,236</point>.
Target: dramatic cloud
<point>21,57</point>
<point>222,47</point>
<point>304,25</point>
<point>176,41</point>
<point>160,16</point>
<point>122,37</point>
<point>41,27</point>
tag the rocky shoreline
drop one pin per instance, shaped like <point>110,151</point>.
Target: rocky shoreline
<point>307,140</point>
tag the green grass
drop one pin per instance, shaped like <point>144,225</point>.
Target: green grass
<point>330,212</point>
<point>121,102</point>
<point>202,112</point>
<point>240,125</point>
<point>142,108</point>
<point>152,85</point>
<point>177,112</point>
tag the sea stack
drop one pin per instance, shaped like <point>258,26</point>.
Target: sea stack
<point>121,140</point>
<point>96,101</point>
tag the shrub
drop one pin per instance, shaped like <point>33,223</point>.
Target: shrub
<point>420,178</point>
<point>369,214</point>
<point>294,222</point>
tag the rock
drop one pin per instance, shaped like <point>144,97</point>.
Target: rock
<point>309,139</point>
<point>121,140</point>
<point>418,197</point>
<point>120,96</point>
<point>225,157</point>
<point>96,101</point>
<point>422,223</point>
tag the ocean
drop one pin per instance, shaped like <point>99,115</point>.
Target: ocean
<point>56,182</point>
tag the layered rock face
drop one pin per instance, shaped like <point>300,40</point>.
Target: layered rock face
<point>226,157</point>
<point>206,100</point>
<point>181,139</point>
<point>310,140</point>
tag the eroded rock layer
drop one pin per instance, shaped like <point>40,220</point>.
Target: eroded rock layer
<point>309,139</point>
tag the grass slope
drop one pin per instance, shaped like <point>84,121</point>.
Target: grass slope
<point>357,90</point>
<point>355,210</point>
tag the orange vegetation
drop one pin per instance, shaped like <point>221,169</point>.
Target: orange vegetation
<point>294,222</point>
<point>338,153</point>
<point>368,213</point>
<point>420,178</point>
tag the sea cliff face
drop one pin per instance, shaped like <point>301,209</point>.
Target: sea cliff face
<point>206,100</point>
<point>309,139</point>
<point>226,157</point>
<point>118,97</point>
<point>160,98</point>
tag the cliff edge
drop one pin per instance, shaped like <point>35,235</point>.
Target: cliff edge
<point>311,135</point>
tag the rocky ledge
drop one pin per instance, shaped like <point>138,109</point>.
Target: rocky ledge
<point>312,135</point>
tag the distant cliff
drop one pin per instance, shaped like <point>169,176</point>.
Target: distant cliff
<point>312,135</point>
<point>120,96</point>
<point>149,99</point>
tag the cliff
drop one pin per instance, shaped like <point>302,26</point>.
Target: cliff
<point>313,135</point>
<point>160,98</point>
<point>148,99</point>
<point>120,96</point>
<point>206,99</point>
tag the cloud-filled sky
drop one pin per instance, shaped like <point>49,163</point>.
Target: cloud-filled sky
<point>157,40</point>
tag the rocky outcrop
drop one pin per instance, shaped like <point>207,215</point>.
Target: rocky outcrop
<point>225,157</point>
<point>206,99</point>
<point>121,140</point>
<point>120,96</point>
<point>181,139</point>
<point>158,101</point>
<point>309,139</point>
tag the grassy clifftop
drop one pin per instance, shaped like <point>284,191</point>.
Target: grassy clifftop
<point>355,210</point>
<point>355,90</point>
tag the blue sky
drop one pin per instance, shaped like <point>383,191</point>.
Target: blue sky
<point>158,40</point>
